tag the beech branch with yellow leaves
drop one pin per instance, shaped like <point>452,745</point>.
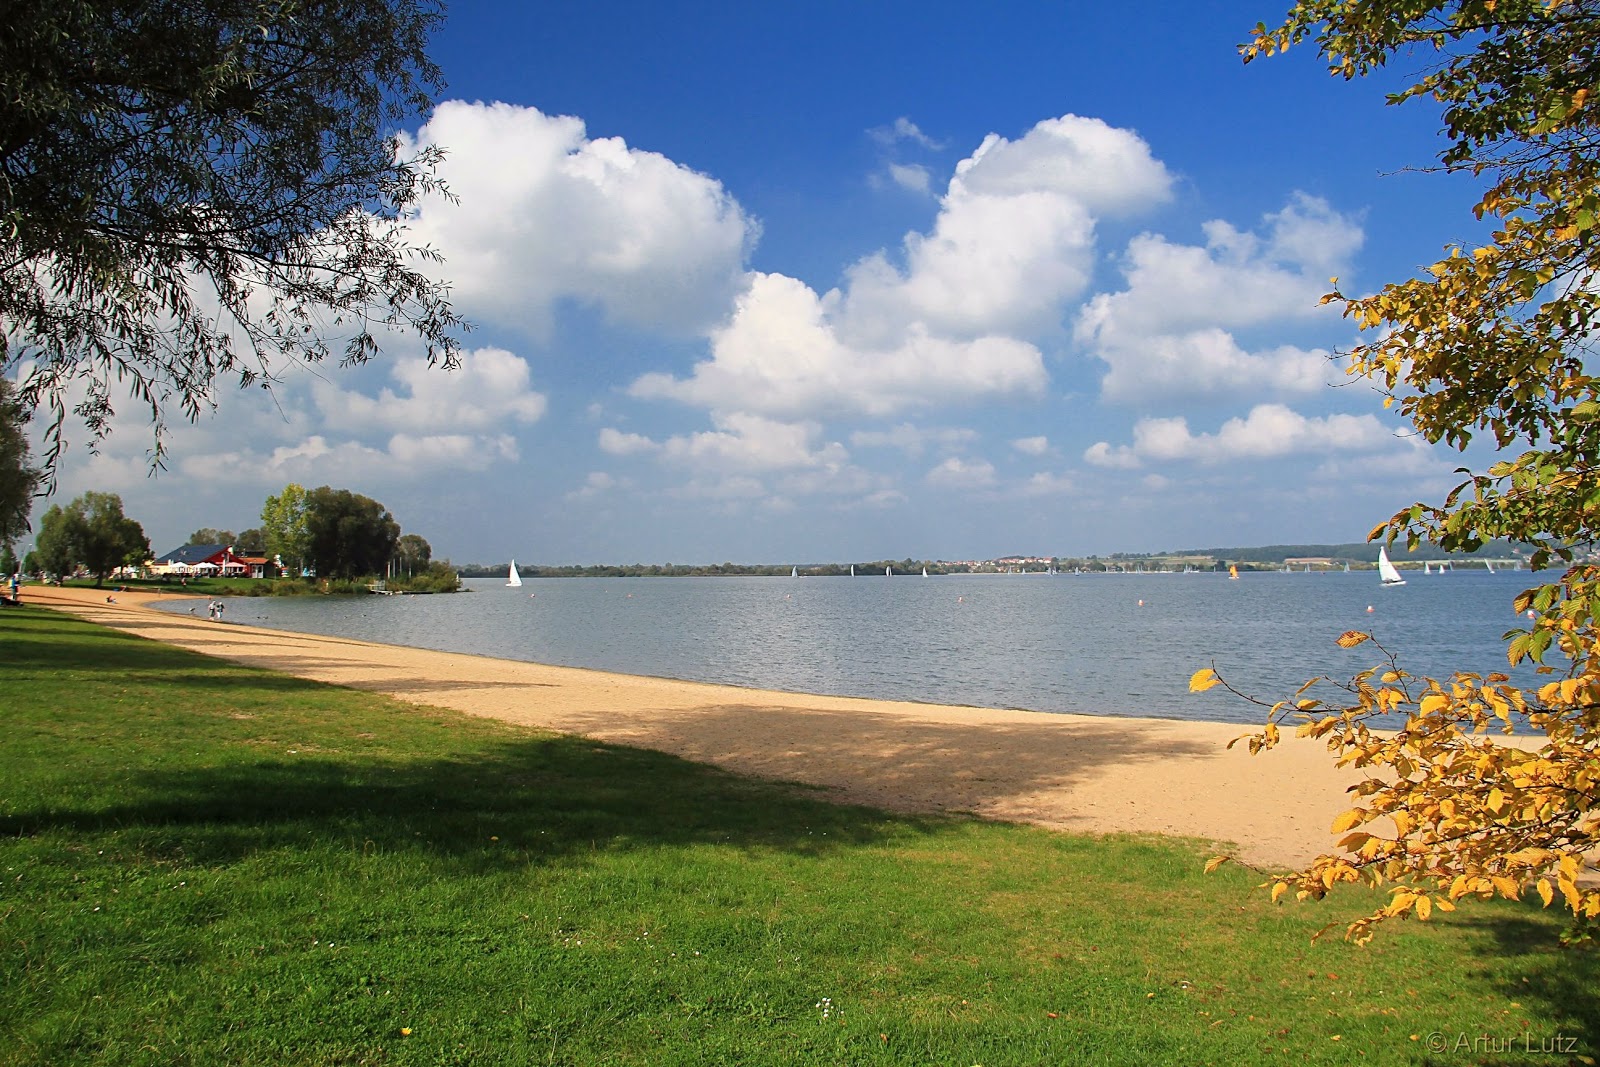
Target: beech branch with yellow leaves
<point>1475,787</point>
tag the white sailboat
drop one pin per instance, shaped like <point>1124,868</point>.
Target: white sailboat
<point>924,572</point>
<point>794,572</point>
<point>888,572</point>
<point>852,570</point>
<point>1387,575</point>
<point>515,579</point>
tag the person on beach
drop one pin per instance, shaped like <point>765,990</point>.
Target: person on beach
<point>211,610</point>
<point>16,588</point>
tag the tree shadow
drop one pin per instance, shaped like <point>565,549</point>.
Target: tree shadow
<point>1561,981</point>
<point>509,804</point>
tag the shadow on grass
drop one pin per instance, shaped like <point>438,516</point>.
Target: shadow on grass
<point>1564,980</point>
<point>542,798</point>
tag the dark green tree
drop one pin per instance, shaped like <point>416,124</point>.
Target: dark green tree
<point>413,553</point>
<point>348,535</point>
<point>91,532</point>
<point>195,189</point>
<point>250,543</point>
<point>53,551</point>
<point>18,478</point>
<point>208,536</point>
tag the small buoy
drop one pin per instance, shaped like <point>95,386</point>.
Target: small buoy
<point>961,600</point>
<point>1532,614</point>
<point>1369,609</point>
<point>1141,603</point>
<point>532,595</point>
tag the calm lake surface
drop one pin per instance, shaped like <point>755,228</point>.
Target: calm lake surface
<point>1063,643</point>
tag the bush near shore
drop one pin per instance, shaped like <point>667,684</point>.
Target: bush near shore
<point>208,864</point>
<point>427,582</point>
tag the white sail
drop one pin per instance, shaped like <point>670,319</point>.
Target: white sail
<point>515,580</point>
<point>1387,574</point>
<point>852,570</point>
<point>924,572</point>
<point>794,572</point>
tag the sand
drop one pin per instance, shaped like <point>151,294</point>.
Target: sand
<point>1069,772</point>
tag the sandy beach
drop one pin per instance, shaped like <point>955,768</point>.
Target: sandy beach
<point>1068,772</point>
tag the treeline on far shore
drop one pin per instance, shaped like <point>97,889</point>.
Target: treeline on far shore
<point>1359,554</point>
<point>682,570</point>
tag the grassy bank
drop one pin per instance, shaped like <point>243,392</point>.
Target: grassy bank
<point>205,864</point>
<point>214,586</point>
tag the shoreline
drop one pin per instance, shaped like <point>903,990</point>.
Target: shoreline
<point>1079,773</point>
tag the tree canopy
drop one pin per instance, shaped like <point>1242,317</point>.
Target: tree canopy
<point>91,532</point>
<point>1492,340</point>
<point>348,535</point>
<point>203,189</point>
<point>18,477</point>
<point>283,524</point>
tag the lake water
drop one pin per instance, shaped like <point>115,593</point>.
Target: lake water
<point>1064,643</point>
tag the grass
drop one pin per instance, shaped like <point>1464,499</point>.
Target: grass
<point>206,864</point>
<point>218,586</point>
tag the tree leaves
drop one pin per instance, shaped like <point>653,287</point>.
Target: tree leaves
<point>208,190</point>
<point>1489,340</point>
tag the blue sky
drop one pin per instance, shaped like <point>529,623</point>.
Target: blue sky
<point>832,281</point>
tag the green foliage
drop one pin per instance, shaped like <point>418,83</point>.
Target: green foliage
<point>91,532</point>
<point>348,535</point>
<point>210,864</point>
<point>208,188</point>
<point>208,536</point>
<point>1493,340</point>
<point>283,526</point>
<point>251,542</point>
<point>18,478</point>
<point>412,553</point>
<point>437,576</point>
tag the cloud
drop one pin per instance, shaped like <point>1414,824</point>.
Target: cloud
<point>780,356</point>
<point>903,129</point>
<point>546,214</point>
<point>598,483</point>
<point>913,177</point>
<point>958,473</point>
<point>912,440</point>
<point>618,443</point>
<point>491,388</point>
<point>1047,484</point>
<point>1270,430</point>
<point>1032,446</point>
<point>1171,330</point>
<point>747,442</point>
<point>1014,237</point>
<point>1012,243</point>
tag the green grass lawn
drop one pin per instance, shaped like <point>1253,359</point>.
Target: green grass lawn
<point>206,864</point>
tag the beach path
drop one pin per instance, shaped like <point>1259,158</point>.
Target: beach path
<point>1068,772</point>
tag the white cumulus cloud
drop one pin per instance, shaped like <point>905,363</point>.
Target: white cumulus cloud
<point>491,388</point>
<point>1269,430</point>
<point>958,473</point>
<point>1172,329</point>
<point>545,213</point>
<point>780,356</point>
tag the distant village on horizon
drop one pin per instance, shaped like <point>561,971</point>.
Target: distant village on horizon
<point>1325,557</point>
